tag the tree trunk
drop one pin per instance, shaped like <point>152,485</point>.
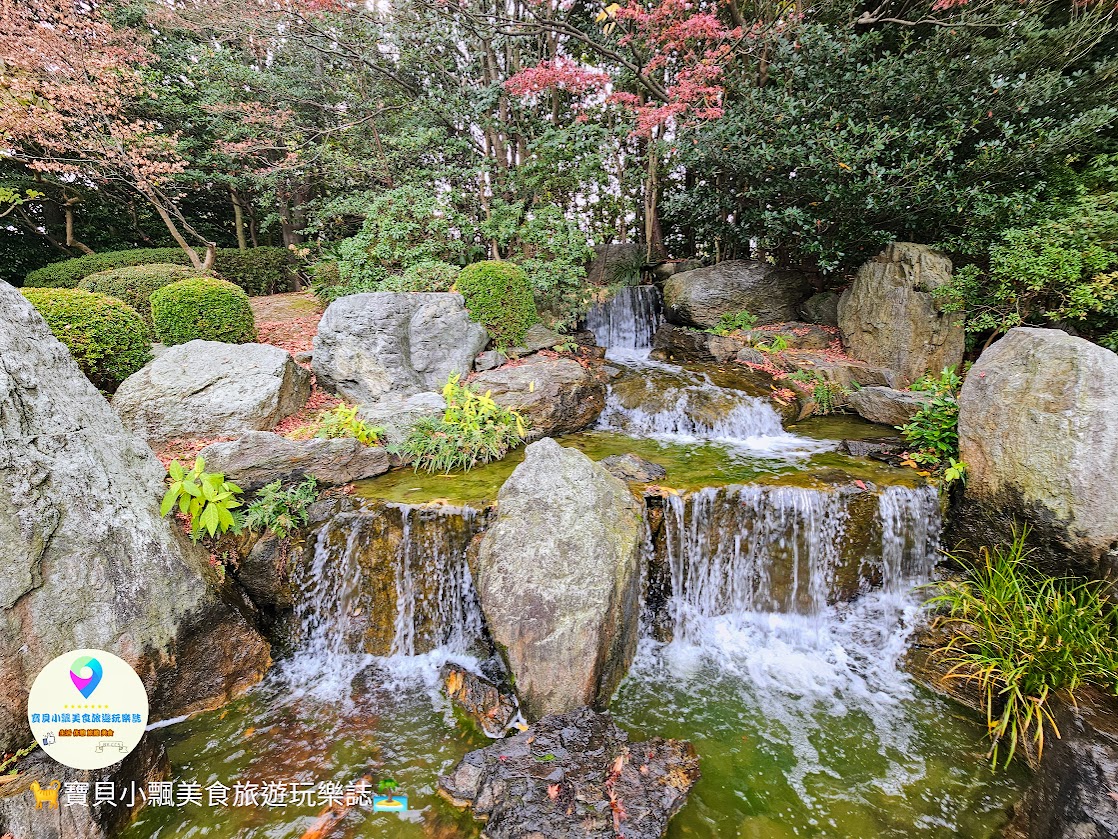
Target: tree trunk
<point>71,240</point>
<point>238,219</point>
<point>191,253</point>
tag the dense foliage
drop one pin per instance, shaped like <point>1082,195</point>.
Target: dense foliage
<point>135,285</point>
<point>1026,640</point>
<point>932,435</point>
<point>203,308</point>
<point>281,510</point>
<point>106,336</point>
<point>499,297</point>
<point>473,430</point>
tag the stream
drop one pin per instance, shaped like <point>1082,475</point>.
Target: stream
<point>780,593</point>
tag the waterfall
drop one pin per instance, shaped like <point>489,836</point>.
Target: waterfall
<point>627,321</point>
<point>391,580</point>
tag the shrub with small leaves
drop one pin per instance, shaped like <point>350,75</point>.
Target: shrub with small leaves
<point>280,510</point>
<point>206,498</point>
<point>106,336</point>
<point>202,308</point>
<point>135,285</point>
<point>729,323</point>
<point>499,297</point>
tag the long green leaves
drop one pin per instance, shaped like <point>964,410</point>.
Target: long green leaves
<point>1023,639</point>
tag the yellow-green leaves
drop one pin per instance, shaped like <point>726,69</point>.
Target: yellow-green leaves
<point>205,497</point>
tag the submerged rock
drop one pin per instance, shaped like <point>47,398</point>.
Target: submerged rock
<point>633,469</point>
<point>372,344</point>
<point>483,701</point>
<point>886,405</point>
<point>557,395</point>
<point>260,457</point>
<point>1038,430</point>
<point>700,297</point>
<point>889,316</point>
<point>559,579</point>
<point>206,389</point>
<point>569,776</point>
<point>86,560</point>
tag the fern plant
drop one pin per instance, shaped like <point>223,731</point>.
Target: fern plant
<point>473,430</point>
<point>206,498</point>
<point>741,321</point>
<point>280,510</point>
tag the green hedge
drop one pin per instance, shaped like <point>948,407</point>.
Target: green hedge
<point>205,308</point>
<point>106,336</point>
<point>135,285</point>
<point>499,296</point>
<point>257,270</point>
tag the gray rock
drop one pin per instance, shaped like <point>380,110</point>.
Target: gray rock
<point>397,415</point>
<point>257,458</point>
<point>1073,794</point>
<point>633,469</point>
<point>797,335</point>
<point>616,264</point>
<point>700,297</point>
<point>886,405</point>
<point>493,709</point>
<point>889,316</point>
<point>265,572</point>
<point>555,780</point>
<point>489,360</point>
<point>821,308</point>
<point>369,345</point>
<point>210,389</point>
<point>85,558</point>
<point>1038,430</point>
<point>847,373</point>
<point>539,337</point>
<point>557,395</point>
<point>304,357</point>
<point>559,579</point>
<point>668,269</point>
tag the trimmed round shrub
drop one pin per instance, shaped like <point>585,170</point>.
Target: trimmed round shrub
<point>499,297</point>
<point>429,275</point>
<point>134,285</point>
<point>106,336</point>
<point>205,308</point>
<point>263,270</point>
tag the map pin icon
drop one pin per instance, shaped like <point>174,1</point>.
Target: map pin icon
<point>86,684</point>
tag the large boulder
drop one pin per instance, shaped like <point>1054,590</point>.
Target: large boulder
<point>617,263</point>
<point>890,317</point>
<point>560,778</point>
<point>369,345</point>
<point>559,579</point>
<point>1038,430</point>
<point>257,458</point>
<point>701,297</point>
<point>85,558</point>
<point>558,395</point>
<point>206,389</point>
<point>886,405</point>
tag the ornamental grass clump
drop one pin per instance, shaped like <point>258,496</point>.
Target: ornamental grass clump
<point>1025,640</point>
<point>474,430</point>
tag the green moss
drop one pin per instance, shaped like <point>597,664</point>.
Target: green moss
<point>135,284</point>
<point>499,296</point>
<point>106,336</point>
<point>202,308</point>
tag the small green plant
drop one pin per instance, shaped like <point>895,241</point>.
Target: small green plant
<point>956,470</point>
<point>777,345</point>
<point>933,432</point>
<point>342,421</point>
<point>203,308</point>
<point>206,498</point>
<point>728,323</point>
<point>946,383</point>
<point>280,510</point>
<point>1024,639</point>
<point>106,337</point>
<point>473,430</point>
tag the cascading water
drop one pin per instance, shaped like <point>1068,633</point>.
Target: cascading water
<point>626,322</point>
<point>390,581</point>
